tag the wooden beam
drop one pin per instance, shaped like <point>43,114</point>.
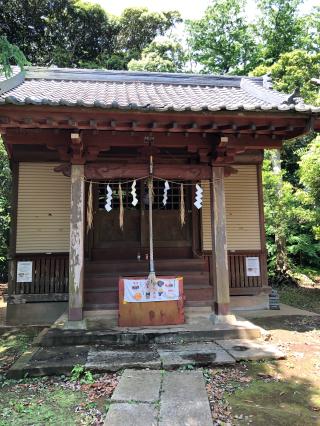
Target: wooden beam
<point>106,171</point>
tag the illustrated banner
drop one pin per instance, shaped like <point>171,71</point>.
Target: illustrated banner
<point>137,290</point>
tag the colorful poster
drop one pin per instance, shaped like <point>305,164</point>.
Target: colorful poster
<point>137,290</point>
<point>252,267</point>
<point>24,272</point>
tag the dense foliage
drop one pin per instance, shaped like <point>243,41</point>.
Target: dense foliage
<point>10,53</point>
<point>222,41</point>
<point>5,182</point>
<point>293,213</point>
<point>71,33</point>
<point>281,42</point>
<point>161,56</point>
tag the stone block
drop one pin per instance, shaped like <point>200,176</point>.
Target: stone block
<point>125,414</point>
<point>138,385</point>
<point>184,400</point>
<point>198,354</point>
<point>252,350</point>
<point>103,359</point>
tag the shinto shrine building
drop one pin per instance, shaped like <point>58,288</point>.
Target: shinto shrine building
<point>65,128</point>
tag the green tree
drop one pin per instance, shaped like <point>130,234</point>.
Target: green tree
<point>295,69</point>
<point>291,214</point>
<point>5,188</point>
<point>10,54</point>
<point>291,224</point>
<point>311,36</point>
<point>310,170</point>
<point>59,32</point>
<point>161,56</point>
<point>139,27</point>
<point>222,41</point>
<point>71,33</point>
<point>280,28</point>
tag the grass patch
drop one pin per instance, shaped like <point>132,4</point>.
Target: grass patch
<point>312,273</point>
<point>301,297</point>
<point>12,344</point>
<point>21,405</point>
<point>279,403</point>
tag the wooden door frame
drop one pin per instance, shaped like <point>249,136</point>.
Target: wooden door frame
<point>195,226</point>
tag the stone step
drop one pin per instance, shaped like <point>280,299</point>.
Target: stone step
<point>55,360</point>
<point>147,335</point>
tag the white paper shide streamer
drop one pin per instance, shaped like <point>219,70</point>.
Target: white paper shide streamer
<point>108,206</point>
<point>134,193</point>
<point>165,192</point>
<point>198,196</point>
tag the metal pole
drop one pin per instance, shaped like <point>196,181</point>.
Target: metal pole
<point>150,189</point>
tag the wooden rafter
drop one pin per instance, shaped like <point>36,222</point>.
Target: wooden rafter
<point>285,124</point>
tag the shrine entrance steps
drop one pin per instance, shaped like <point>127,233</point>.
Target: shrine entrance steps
<point>101,328</point>
<point>102,276</point>
<point>198,342</point>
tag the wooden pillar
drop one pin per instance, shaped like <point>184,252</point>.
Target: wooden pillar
<point>77,219</point>
<point>12,264</point>
<point>220,268</point>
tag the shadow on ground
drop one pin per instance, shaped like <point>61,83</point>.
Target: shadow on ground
<point>284,392</point>
<point>271,397</point>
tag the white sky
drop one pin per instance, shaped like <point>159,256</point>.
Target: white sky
<point>189,9</point>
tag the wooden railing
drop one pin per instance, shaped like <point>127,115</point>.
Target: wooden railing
<point>240,283</point>
<point>50,275</point>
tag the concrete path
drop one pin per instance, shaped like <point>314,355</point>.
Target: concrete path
<point>159,398</point>
<point>285,310</point>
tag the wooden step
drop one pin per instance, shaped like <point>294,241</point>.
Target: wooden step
<point>128,252</point>
<point>107,280</point>
<point>128,266</point>
<point>110,296</point>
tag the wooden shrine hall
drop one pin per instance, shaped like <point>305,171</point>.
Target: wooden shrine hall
<point>72,135</point>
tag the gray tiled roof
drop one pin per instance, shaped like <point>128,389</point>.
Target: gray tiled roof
<point>144,91</point>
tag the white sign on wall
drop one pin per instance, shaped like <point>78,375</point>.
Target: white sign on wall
<point>253,267</point>
<point>24,272</point>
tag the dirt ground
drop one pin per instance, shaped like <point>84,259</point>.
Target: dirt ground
<point>278,393</point>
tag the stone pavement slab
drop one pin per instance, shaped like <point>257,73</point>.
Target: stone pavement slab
<point>131,414</point>
<point>141,386</point>
<point>48,361</point>
<point>169,399</point>
<point>184,400</point>
<point>106,359</point>
<point>252,350</point>
<point>199,354</point>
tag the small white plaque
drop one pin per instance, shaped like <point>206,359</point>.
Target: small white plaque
<point>24,272</point>
<point>253,267</point>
